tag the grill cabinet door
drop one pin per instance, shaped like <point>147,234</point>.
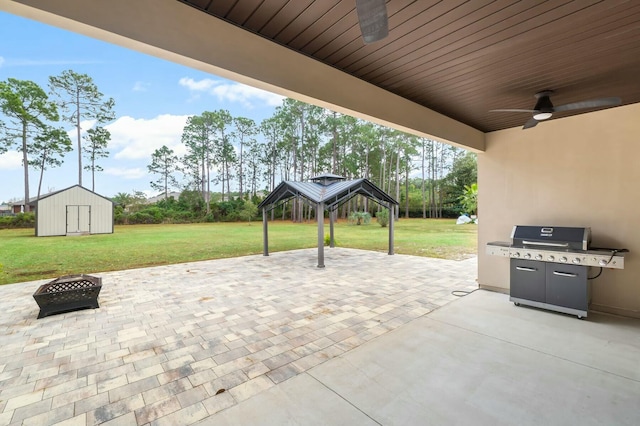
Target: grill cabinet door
<point>567,286</point>
<point>527,280</point>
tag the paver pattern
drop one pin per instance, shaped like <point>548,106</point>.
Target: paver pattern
<point>175,344</point>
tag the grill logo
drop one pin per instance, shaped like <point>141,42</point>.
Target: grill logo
<point>546,232</point>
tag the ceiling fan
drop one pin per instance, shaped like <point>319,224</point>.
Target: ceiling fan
<point>544,109</point>
<point>372,16</point>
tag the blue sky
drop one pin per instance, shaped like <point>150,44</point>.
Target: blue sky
<point>153,100</point>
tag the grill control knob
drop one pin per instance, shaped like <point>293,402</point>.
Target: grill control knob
<point>563,259</point>
<point>538,257</point>
<point>527,256</point>
<point>603,262</point>
<point>516,254</point>
<point>551,258</point>
<point>576,260</point>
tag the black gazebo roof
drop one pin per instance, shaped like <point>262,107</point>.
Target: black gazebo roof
<point>331,190</point>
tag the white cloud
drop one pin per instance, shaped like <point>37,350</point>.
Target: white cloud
<point>198,86</point>
<point>84,126</point>
<point>233,92</point>
<point>133,139</point>
<point>1,61</point>
<point>132,173</point>
<point>87,124</point>
<point>140,86</point>
<point>11,160</point>
<point>244,94</point>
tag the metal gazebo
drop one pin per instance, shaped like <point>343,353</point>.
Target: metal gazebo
<point>326,192</point>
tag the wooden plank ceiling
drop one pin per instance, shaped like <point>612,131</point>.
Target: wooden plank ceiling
<point>464,58</point>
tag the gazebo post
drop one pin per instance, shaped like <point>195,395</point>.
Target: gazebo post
<point>391,220</point>
<point>265,232</point>
<point>320,215</point>
<point>332,213</point>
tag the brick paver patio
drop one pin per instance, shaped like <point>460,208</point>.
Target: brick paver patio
<point>175,344</point>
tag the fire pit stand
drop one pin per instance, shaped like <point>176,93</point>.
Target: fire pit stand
<point>68,293</point>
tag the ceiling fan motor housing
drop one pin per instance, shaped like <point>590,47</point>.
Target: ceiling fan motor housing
<point>372,16</point>
<point>544,102</point>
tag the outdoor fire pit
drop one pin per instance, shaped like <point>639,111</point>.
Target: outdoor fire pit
<point>68,293</point>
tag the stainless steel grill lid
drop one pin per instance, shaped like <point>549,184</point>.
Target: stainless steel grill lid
<point>551,237</point>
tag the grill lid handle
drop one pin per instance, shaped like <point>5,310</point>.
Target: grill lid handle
<point>542,243</point>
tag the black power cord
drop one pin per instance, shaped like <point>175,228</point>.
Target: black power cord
<point>613,253</point>
<point>599,273</point>
<point>462,293</point>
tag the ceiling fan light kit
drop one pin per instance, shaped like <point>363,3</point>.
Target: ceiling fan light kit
<point>542,116</point>
<point>544,109</point>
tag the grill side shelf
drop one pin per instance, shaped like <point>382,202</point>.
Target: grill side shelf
<point>596,258</point>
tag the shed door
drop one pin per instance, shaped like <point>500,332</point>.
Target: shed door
<point>78,219</point>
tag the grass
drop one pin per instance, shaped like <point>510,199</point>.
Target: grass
<point>24,257</point>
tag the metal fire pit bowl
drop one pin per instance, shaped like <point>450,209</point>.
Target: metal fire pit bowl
<point>68,293</point>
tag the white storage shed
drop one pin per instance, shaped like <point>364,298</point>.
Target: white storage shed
<point>73,211</point>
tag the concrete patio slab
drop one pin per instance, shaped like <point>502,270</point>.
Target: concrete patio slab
<point>471,362</point>
<point>605,342</point>
<point>301,400</point>
<point>176,344</point>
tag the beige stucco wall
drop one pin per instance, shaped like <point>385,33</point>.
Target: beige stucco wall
<point>576,171</point>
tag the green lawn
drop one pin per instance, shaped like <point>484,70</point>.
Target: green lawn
<point>23,257</point>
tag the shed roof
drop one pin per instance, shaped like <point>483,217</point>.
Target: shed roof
<point>32,202</point>
<point>42,197</point>
<point>332,195</point>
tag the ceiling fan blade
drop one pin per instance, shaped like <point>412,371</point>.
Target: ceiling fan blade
<point>531,111</point>
<point>593,103</point>
<point>529,124</point>
<point>372,15</point>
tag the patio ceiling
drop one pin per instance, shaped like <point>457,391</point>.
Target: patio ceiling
<point>464,58</point>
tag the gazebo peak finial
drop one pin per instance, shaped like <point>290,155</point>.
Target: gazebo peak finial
<point>327,179</point>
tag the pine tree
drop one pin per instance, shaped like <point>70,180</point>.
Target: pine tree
<point>80,100</point>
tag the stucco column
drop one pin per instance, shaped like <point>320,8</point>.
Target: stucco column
<point>320,215</point>
<point>265,233</point>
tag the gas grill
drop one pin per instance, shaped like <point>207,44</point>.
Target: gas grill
<point>549,266</point>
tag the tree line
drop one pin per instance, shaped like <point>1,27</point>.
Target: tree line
<point>241,159</point>
<point>247,160</point>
